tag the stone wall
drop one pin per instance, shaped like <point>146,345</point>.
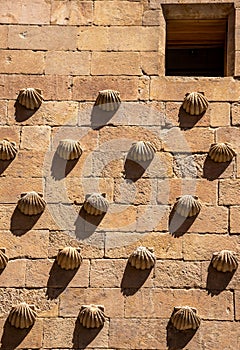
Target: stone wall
<point>71,50</point>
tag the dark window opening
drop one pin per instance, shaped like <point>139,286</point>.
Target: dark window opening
<point>196,47</point>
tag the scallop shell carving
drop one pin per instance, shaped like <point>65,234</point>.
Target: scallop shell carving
<point>108,100</point>
<point>69,149</point>
<point>96,204</point>
<point>221,152</point>
<point>31,203</point>
<point>3,259</point>
<point>195,103</point>
<point>142,258</point>
<point>141,151</point>
<point>185,318</point>
<point>8,150</point>
<point>224,261</point>
<point>92,316</point>
<point>69,258</point>
<point>22,316</point>
<point>30,98</point>
<point>188,205</point>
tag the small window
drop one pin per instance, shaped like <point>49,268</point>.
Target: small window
<point>198,45</point>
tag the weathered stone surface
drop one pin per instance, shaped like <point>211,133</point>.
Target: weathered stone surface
<point>199,165</point>
<point>25,62</point>
<point>229,192</point>
<point>170,189</point>
<point>134,38</point>
<point>118,273</point>
<point>12,337</point>
<point>68,333</point>
<point>13,219</point>
<point>64,63</point>
<point>71,13</point>
<point>122,13</point>
<point>237,305</point>
<point>148,334</point>
<point>141,192</point>
<point>152,218</point>
<point>122,244</point>
<point>3,36</point>
<point>177,141</point>
<point>175,88</point>
<point>120,218</point>
<point>160,303</point>
<point>33,244</point>
<point>111,63</point>
<point>177,274</point>
<point>152,63</point>
<point>215,282</point>
<point>42,37</point>
<point>131,89</point>
<point>201,247</point>
<point>36,12</point>
<point>37,297</point>
<point>11,188</point>
<point>53,88</point>
<point>92,249</point>
<point>14,274</point>
<point>234,220</point>
<point>40,273</point>
<point>53,113</point>
<point>23,166</point>
<point>73,298</point>
<point>35,137</point>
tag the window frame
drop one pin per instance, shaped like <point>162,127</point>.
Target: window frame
<point>206,12</point>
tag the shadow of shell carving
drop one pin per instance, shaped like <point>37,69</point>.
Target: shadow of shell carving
<point>22,316</point>
<point>108,100</point>
<point>185,317</point>
<point>8,150</point>
<point>3,259</point>
<point>92,316</point>
<point>69,258</point>
<point>69,149</point>
<point>224,261</point>
<point>141,151</point>
<point>195,103</point>
<point>30,98</point>
<point>142,258</point>
<point>221,152</point>
<point>31,203</point>
<point>96,204</point>
<point>188,205</point>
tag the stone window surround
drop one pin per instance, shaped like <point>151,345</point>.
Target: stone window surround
<point>209,11</point>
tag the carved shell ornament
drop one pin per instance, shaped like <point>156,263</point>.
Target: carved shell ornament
<point>69,258</point>
<point>221,152</point>
<point>142,258</point>
<point>224,261</point>
<point>92,316</point>
<point>188,205</point>
<point>3,259</point>
<point>31,203</point>
<point>30,98</point>
<point>108,100</point>
<point>185,317</point>
<point>8,150</point>
<point>141,151</point>
<point>69,149</point>
<point>195,103</point>
<point>96,204</point>
<point>22,316</point>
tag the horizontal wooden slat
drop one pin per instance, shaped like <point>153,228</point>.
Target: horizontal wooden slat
<point>199,32</point>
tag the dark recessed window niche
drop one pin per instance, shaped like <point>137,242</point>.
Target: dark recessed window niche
<point>196,44</point>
